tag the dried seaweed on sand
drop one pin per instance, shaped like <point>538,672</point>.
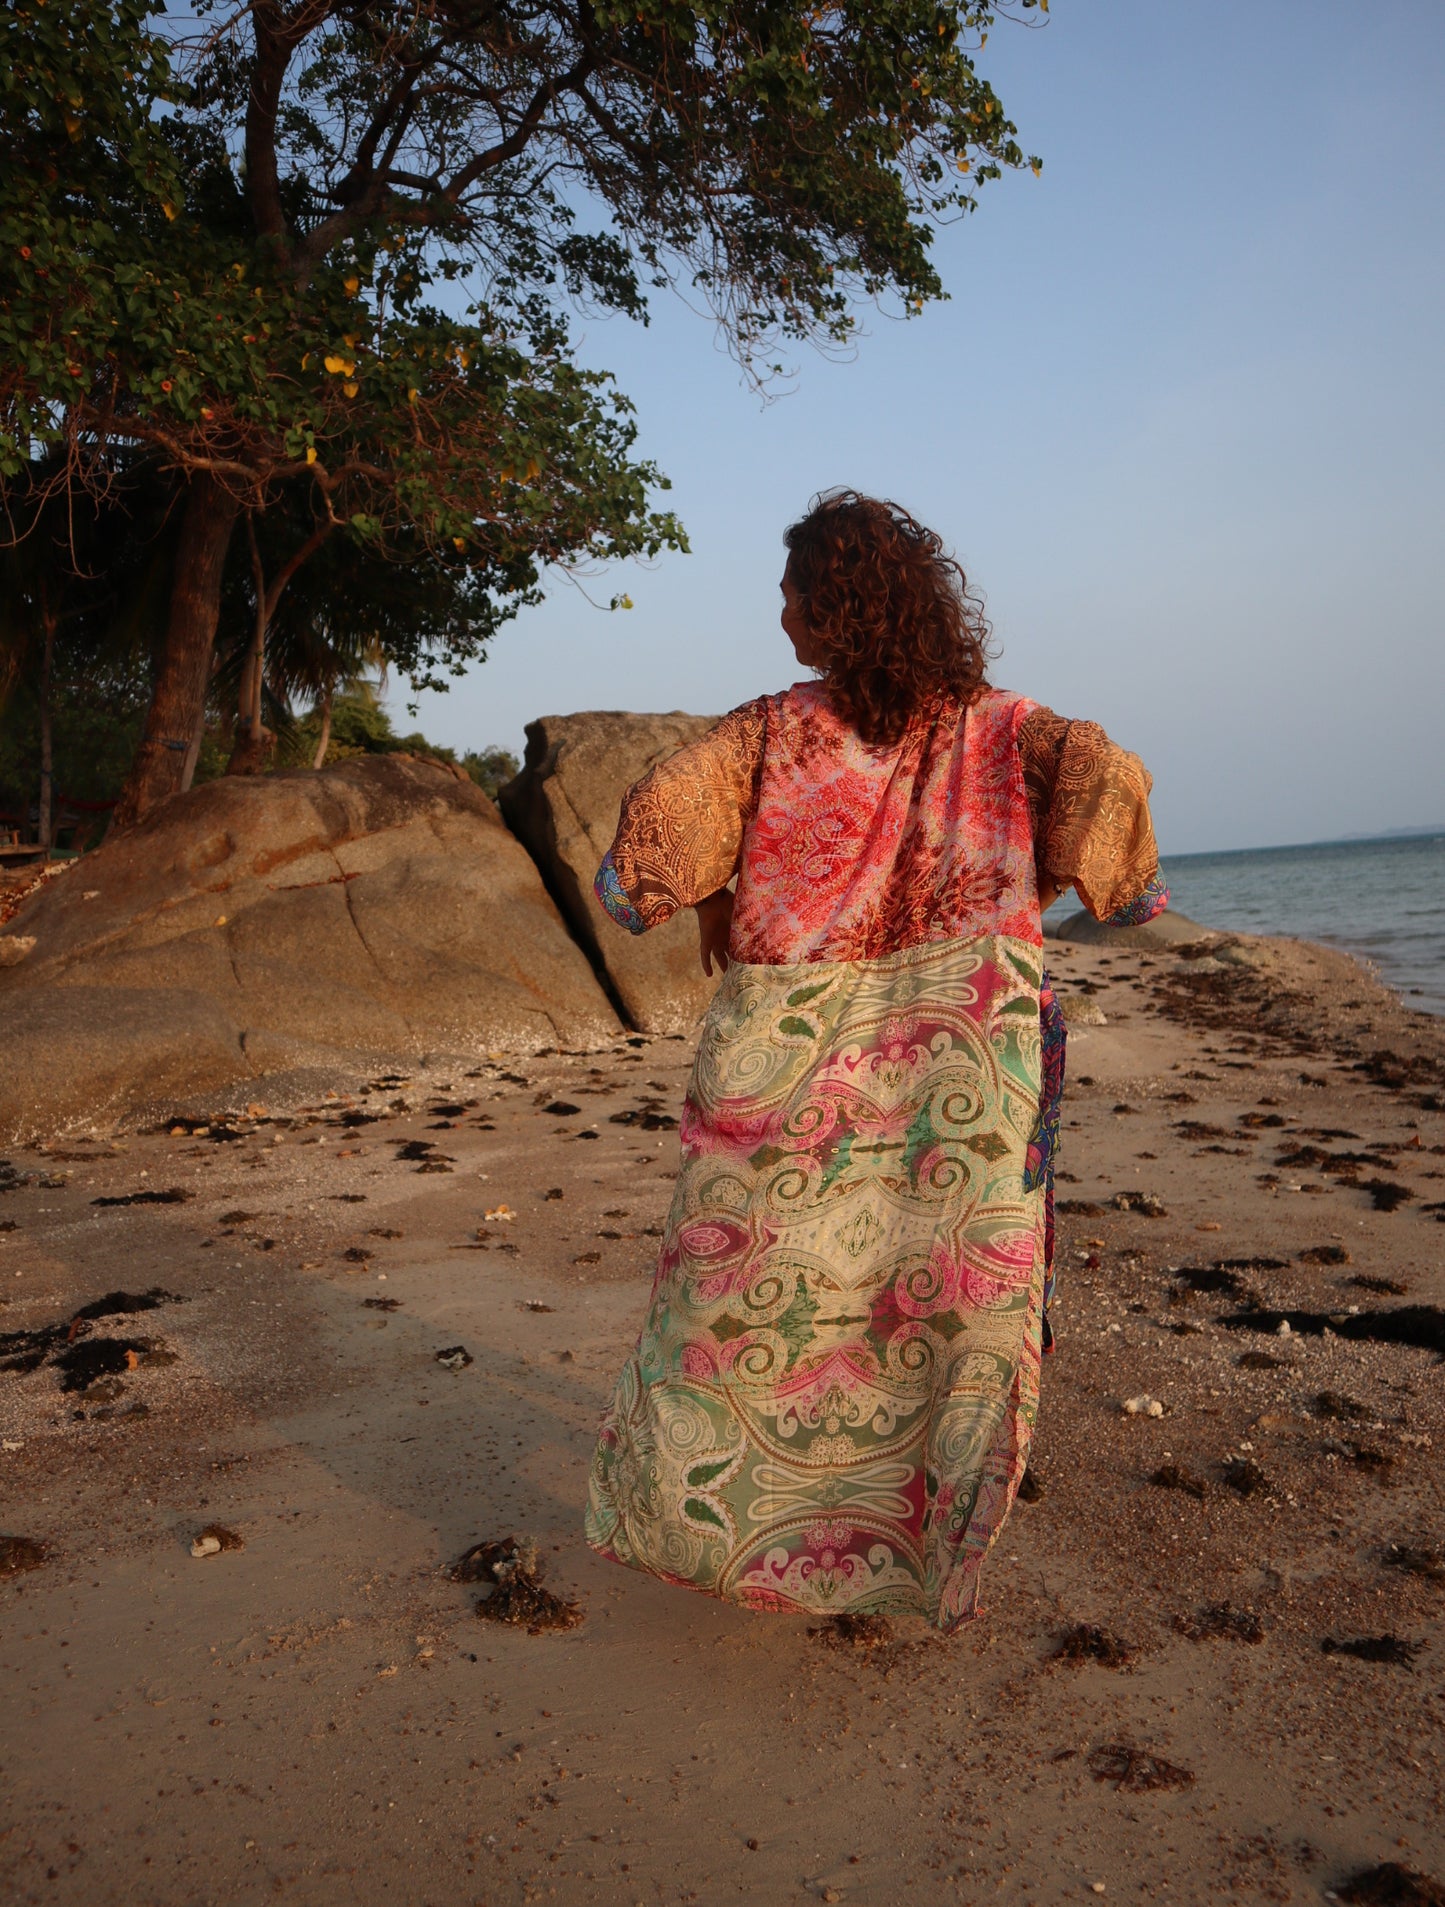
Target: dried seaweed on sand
<point>1086,1642</point>
<point>1132,1771</point>
<point>1221,1621</point>
<point>514,1569</point>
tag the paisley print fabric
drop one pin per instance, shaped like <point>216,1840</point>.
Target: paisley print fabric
<point>1143,908</point>
<point>1089,802</point>
<point>1043,1149</point>
<point>830,1404</point>
<point>682,825</point>
<point>613,897</point>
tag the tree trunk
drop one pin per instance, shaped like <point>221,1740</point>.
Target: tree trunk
<point>324,740</point>
<point>252,750</point>
<point>198,735</point>
<point>45,828</point>
<point>184,674</point>
<point>255,744</point>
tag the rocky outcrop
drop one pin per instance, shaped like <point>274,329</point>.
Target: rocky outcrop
<point>1169,929</point>
<point>564,806</point>
<point>378,908</point>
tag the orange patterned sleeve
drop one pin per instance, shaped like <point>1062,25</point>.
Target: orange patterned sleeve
<point>681,830</point>
<point>1089,803</point>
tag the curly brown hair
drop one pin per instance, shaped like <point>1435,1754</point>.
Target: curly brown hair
<point>895,624</point>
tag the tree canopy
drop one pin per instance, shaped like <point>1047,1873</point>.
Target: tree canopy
<point>313,259</point>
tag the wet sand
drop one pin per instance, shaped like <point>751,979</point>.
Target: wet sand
<point>320,1715</point>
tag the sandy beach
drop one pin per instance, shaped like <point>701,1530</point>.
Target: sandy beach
<point>1253,1186</point>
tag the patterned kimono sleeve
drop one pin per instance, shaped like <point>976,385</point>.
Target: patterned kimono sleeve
<point>680,834</point>
<point>1089,802</point>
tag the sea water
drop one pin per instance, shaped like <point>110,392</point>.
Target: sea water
<point>1383,901</point>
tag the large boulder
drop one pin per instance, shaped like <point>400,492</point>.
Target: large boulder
<point>377,909</point>
<point>564,805</point>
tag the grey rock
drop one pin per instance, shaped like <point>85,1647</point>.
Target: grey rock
<point>379,908</point>
<point>1079,1010</point>
<point>1239,953</point>
<point>1169,929</point>
<point>564,806</point>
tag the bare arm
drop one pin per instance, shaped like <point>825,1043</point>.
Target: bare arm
<point>714,924</point>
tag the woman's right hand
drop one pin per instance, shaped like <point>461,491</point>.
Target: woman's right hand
<point>714,925</point>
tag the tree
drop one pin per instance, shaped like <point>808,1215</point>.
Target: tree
<point>77,596</point>
<point>422,611</point>
<point>234,272</point>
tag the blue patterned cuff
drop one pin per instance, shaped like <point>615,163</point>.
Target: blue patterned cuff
<point>1137,913</point>
<point>613,896</point>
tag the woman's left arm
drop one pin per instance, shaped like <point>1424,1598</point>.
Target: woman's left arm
<point>1092,828</point>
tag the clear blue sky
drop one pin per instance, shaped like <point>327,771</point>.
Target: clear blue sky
<point>1183,422</point>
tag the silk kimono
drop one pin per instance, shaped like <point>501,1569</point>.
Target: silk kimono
<point>830,1403</point>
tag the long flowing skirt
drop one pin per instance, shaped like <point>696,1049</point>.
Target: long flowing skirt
<point>830,1403</point>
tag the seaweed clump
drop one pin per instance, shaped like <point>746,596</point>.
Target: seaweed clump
<point>18,1553</point>
<point>1391,1885</point>
<point>1244,1476</point>
<point>1394,1650</point>
<point>1134,1771</point>
<point>1422,1559</point>
<point>1171,1476</point>
<point>513,1569</point>
<point>849,1631</point>
<point>1221,1621</point>
<point>1085,1642</point>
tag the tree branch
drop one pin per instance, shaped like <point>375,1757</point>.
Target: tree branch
<point>572,81</point>
<point>275,38</point>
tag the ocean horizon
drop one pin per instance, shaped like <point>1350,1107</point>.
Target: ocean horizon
<point>1380,898</point>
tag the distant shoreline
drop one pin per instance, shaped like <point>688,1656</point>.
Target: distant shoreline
<point>1396,835</point>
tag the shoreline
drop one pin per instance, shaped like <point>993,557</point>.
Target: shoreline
<point>1377,899</point>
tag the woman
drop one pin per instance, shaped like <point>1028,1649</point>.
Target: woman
<point>830,1404</point>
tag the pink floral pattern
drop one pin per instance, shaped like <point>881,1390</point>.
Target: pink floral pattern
<point>854,852</point>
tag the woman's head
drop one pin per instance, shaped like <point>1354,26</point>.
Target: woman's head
<point>871,601</point>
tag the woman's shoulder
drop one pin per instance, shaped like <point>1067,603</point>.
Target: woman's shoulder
<point>1004,709</point>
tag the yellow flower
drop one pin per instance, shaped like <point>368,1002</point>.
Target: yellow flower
<point>168,208</point>
<point>340,367</point>
<point>351,389</point>
<point>353,285</point>
<point>311,453</point>
<point>459,542</point>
